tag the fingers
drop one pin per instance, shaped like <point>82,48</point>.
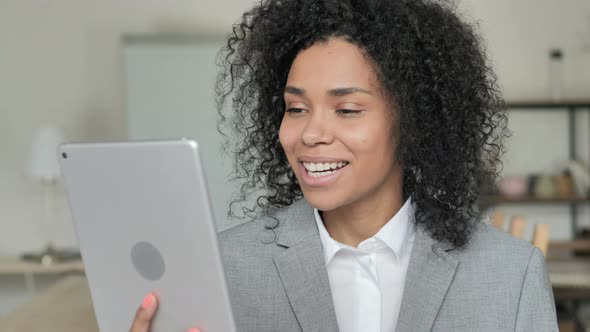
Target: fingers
<point>144,314</point>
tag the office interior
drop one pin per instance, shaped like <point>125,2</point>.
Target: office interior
<point>76,71</point>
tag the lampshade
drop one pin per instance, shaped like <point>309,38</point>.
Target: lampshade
<point>42,161</point>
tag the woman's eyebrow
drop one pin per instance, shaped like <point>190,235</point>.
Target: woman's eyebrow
<point>294,91</point>
<point>347,91</point>
<point>338,92</point>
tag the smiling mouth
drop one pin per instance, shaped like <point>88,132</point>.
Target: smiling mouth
<point>322,169</point>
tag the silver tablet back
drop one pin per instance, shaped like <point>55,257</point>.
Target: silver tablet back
<point>144,222</point>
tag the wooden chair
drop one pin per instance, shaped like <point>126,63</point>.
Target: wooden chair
<point>498,219</point>
<point>517,226</point>
<point>541,237</point>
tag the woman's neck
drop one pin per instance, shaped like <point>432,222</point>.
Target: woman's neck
<point>358,221</point>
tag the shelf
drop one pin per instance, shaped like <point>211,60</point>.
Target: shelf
<point>497,199</point>
<point>569,107</point>
<point>14,265</point>
<point>548,104</point>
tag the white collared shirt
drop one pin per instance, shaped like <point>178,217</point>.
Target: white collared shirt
<point>367,282</point>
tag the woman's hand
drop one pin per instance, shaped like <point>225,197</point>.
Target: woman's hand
<point>145,313</point>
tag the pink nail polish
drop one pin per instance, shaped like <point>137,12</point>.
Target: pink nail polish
<point>148,301</point>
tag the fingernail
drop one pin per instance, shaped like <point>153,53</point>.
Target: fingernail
<point>148,301</point>
<point>194,329</point>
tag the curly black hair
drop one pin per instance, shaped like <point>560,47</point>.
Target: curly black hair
<point>433,66</point>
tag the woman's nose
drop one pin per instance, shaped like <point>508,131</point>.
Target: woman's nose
<point>317,131</point>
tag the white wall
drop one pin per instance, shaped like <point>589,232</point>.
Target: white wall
<point>60,63</point>
<point>519,34</point>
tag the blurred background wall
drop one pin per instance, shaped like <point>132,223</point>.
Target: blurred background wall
<point>61,64</point>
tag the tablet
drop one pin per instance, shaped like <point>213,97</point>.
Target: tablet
<point>143,221</point>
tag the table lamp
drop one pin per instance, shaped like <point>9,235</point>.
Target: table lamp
<point>42,165</point>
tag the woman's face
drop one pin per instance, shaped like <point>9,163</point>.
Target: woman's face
<point>338,130</point>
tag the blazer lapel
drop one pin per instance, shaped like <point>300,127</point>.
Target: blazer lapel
<point>430,272</point>
<point>303,272</point>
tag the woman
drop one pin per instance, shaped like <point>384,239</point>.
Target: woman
<point>369,126</point>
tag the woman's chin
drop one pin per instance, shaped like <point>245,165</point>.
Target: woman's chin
<point>322,202</point>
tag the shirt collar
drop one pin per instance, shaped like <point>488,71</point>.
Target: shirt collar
<point>398,230</point>
<point>330,245</point>
<point>396,233</point>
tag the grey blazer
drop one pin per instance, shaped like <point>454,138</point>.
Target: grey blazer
<point>278,280</point>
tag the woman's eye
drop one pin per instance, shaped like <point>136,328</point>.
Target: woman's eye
<point>348,111</point>
<point>295,110</point>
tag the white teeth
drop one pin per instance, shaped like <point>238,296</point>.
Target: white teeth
<point>319,174</point>
<point>321,168</point>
